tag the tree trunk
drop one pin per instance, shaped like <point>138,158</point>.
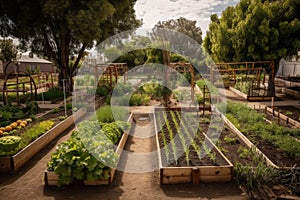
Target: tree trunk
<point>66,75</point>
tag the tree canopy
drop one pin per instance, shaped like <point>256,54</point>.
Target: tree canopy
<point>63,30</point>
<point>8,52</point>
<point>255,30</point>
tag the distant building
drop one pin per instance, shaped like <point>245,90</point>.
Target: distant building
<point>29,63</point>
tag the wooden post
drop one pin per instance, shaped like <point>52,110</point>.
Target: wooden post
<point>196,176</point>
<point>265,109</point>
<point>272,105</point>
<point>287,120</point>
<point>278,118</point>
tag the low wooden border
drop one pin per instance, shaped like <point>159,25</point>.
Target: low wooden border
<point>250,144</point>
<point>193,174</point>
<point>18,160</point>
<point>241,94</point>
<point>283,117</point>
<point>51,178</point>
<point>250,98</point>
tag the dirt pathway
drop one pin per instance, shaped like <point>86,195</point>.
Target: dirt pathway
<point>28,182</point>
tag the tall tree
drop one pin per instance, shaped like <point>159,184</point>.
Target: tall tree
<point>260,30</point>
<point>180,44</point>
<point>8,52</point>
<point>62,30</point>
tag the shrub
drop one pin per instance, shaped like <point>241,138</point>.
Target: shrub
<point>51,94</point>
<point>104,113</point>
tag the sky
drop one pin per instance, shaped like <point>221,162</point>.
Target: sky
<point>153,11</point>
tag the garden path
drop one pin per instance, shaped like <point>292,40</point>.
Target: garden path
<point>28,182</point>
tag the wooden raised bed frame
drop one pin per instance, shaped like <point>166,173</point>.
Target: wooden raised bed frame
<point>283,117</point>
<point>51,178</point>
<point>250,144</point>
<point>15,162</point>
<point>250,98</point>
<point>193,174</point>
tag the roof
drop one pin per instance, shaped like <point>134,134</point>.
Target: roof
<point>35,59</point>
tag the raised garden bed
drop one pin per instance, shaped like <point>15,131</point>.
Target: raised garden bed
<point>184,157</point>
<point>52,179</point>
<point>16,161</point>
<point>248,97</point>
<point>274,155</point>
<point>284,115</point>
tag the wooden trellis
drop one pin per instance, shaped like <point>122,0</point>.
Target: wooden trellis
<point>109,73</point>
<point>185,68</point>
<point>18,89</point>
<point>256,69</point>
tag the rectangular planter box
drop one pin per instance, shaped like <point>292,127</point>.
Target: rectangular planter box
<point>250,98</point>
<point>51,178</point>
<point>193,174</point>
<point>251,145</point>
<point>18,160</point>
<point>283,117</point>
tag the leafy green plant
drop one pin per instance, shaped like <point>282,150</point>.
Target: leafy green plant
<point>254,175</point>
<point>182,138</point>
<point>250,122</point>
<point>230,140</point>
<point>72,160</point>
<point>244,152</point>
<point>288,113</point>
<point>51,94</point>
<point>171,135</point>
<point>102,91</point>
<point>105,113</point>
<point>9,143</point>
<point>35,131</point>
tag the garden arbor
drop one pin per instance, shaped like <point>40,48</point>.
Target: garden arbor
<point>185,68</point>
<point>109,73</point>
<point>251,76</point>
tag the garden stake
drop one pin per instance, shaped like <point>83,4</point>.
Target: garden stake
<point>196,176</point>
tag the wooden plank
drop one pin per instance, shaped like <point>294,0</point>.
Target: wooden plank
<point>157,142</point>
<point>176,179</point>
<point>5,164</point>
<point>259,98</point>
<point>177,171</point>
<point>196,176</point>
<point>215,170</point>
<point>284,117</point>
<point>241,94</point>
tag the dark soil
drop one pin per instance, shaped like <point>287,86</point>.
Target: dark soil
<point>286,110</point>
<point>277,156</point>
<point>193,159</point>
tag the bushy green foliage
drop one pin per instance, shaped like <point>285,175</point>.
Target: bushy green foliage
<point>89,153</point>
<point>51,94</point>
<point>35,131</point>
<point>9,143</point>
<point>10,113</point>
<point>104,113</point>
<point>250,121</point>
<point>209,86</point>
